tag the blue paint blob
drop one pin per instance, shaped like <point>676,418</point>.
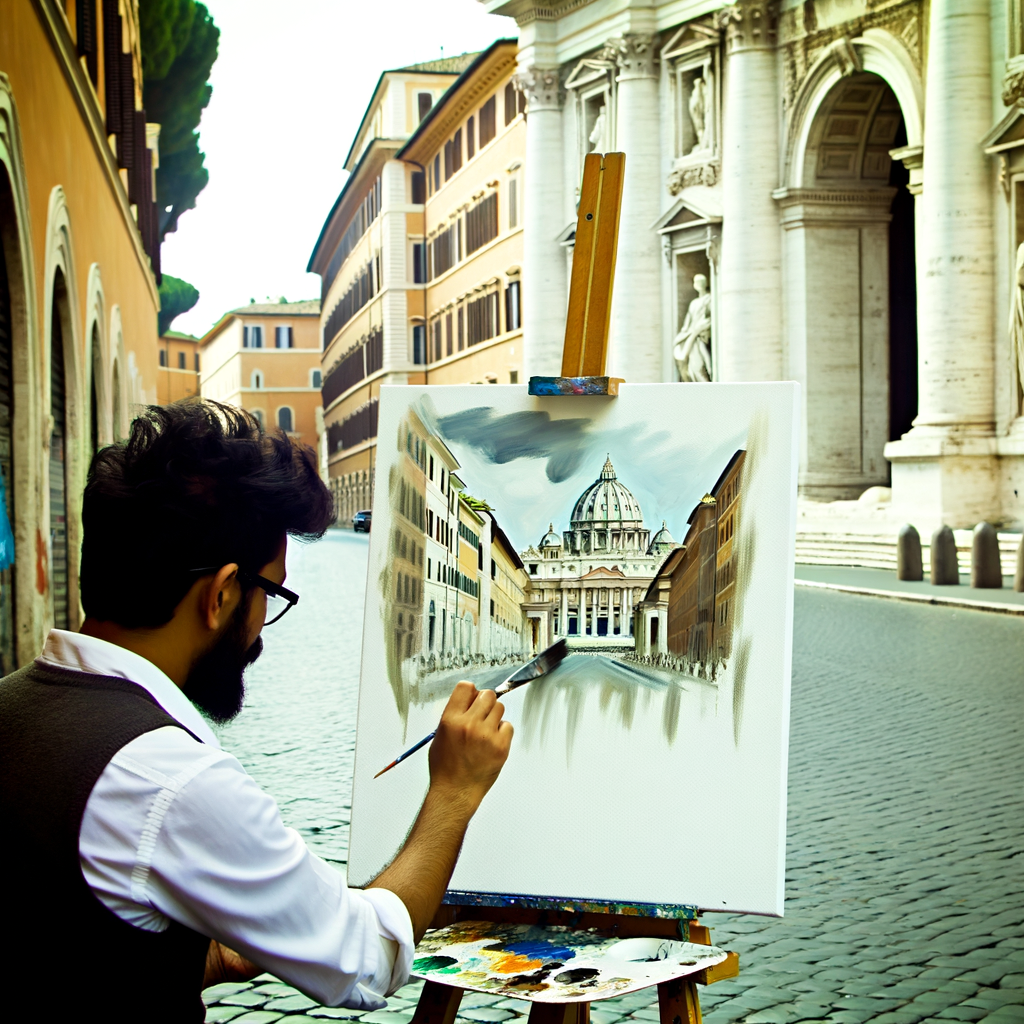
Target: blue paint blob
<point>540,950</point>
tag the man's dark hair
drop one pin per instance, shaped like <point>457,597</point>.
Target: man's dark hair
<point>196,484</point>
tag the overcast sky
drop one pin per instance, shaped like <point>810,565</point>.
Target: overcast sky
<point>290,86</point>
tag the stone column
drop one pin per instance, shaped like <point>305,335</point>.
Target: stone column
<point>545,288</point>
<point>563,614</point>
<point>596,595</point>
<point>750,278</point>
<point>634,343</point>
<point>943,469</point>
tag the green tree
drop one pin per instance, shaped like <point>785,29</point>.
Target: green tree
<point>176,297</point>
<point>179,46</point>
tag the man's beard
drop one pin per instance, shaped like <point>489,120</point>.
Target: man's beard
<point>216,683</point>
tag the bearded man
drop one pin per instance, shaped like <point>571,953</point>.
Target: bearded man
<point>141,862</point>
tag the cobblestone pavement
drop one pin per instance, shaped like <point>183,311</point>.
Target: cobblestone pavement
<point>905,881</point>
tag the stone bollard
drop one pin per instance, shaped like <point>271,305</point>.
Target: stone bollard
<point>908,554</point>
<point>986,570</point>
<point>945,567</point>
<point>1018,579</point>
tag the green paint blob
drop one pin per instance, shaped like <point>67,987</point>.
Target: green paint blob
<point>433,963</point>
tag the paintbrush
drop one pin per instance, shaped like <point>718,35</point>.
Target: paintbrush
<point>545,662</point>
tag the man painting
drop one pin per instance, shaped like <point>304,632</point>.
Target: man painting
<point>141,860</point>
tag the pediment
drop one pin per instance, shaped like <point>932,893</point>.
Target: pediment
<point>1008,134</point>
<point>604,573</point>
<point>686,213</point>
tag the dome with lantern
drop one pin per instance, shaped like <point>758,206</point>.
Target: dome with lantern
<point>662,542</point>
<point>607,517</point>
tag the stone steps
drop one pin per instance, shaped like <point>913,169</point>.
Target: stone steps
<point>878,550</point>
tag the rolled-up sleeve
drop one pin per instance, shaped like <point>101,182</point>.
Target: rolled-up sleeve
<point>218,858</point>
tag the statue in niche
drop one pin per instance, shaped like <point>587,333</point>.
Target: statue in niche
<point>698,108</point>
<point>598,143</point>
<point>1017,316</point>
<point>692,348</point>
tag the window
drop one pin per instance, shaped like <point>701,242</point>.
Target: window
<point>258,414</point>
<point>419,192</point>
<point>513,201</point>
<point>424,101</point>
<point>488,121</point>
<point>510,102</point>
<point>448,333</point>
<point>181,360</point>
<point>470,139</point>
<point>449,160</point>
<point>315,378</point>
<point>257,379</point>
<point>513,376</point>
<point>437,172</point>
<point>436,330</point>
<point>163,357</point>
<point>513,313</point>
<point>284,419</point>
<point>419,262</point>
<point>482,222</point>
<point>419,344</point>
<point>283,337</point>
<point>533,568</point>
<point>252,337</point>
<point>482,318</point>
<point>196,358</point>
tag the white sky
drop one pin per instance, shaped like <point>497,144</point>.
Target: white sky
<point>290,86</point>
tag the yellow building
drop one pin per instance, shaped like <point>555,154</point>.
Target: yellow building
<point>472,146</point>
<point>265,358</point>
<point>179,367</point>
<point>78,292</point>
<point>369,258</point>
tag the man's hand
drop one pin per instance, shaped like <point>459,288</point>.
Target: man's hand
<point>471,745</point>
<point>466,755</point>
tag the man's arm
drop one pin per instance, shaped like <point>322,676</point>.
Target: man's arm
<point>466,755</point>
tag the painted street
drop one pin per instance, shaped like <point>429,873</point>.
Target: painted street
<point>905,870</point>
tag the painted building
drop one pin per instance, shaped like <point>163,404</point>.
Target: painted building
<point>471,147</point>
<point>178,375</point>
<point>832,193</point>
<point>584,582</point>
<point>688,613</point>
<point>371,282</point>
<point>79,262</point>
<point>265,358</point>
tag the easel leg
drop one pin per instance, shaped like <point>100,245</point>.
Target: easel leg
<point>559,1013</point>
<point>678,1002</point>
<point>438,1004</point>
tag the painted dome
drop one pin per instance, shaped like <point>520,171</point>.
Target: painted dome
<point>606,501</point>
<point>662,541</point>
<point>551,539</point>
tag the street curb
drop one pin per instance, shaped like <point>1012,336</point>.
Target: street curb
<point>897,595</point>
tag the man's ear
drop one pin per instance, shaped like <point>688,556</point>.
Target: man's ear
<point>220,598</point>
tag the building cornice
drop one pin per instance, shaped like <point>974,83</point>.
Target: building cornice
<point>527,11</point>
<point>55,24</point>
<point>462,96</point>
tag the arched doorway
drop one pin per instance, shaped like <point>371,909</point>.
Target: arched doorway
<point>850,281</point>
<point>59,323</point>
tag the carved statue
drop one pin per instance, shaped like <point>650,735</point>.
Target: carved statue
<point>597,139</point>
<point>1017,315</point>
<point>692,349</point>
<point>698,108</point>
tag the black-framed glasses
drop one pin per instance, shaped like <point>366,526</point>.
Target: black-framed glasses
<point>279,599</point>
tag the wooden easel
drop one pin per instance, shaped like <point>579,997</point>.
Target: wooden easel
<point>583,365</point>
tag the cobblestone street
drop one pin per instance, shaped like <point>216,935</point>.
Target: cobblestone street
<point>905,881</point>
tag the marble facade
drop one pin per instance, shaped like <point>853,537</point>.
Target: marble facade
<point>782,152</point>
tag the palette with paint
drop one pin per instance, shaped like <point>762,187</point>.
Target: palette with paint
<point>553,964</point>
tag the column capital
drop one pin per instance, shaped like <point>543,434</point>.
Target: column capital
<point>634,54</point>
<point>750,24</point>
<point>542,87</point>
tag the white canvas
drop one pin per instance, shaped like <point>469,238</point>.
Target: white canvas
<point>651,766</point>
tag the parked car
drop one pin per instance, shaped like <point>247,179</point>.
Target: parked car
<point>361,521</point>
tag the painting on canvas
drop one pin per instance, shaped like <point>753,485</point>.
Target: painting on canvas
<point>654,532</point>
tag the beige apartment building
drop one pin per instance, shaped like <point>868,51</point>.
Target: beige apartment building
<point>372,276</point>
<point>420,257</point>
<point>471,146</point>
<point>178,376</point>
<point>265,358</point>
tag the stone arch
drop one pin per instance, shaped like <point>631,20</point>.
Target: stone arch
<point>96,361</point>
<point>28,574</point>
<point>877,52</point>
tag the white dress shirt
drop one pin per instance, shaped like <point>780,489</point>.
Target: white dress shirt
<point>176,829</point>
